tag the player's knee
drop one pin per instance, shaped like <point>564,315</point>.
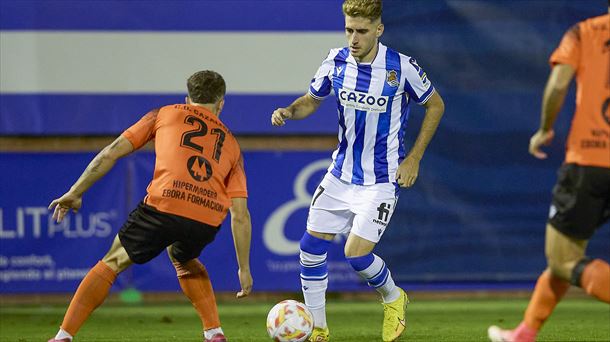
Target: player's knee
<point>189,268</point>
<point>578,269</point>
<point>360,263</point>
<point>355,252</point>
<point>560,267</point>
<point>313,258</point>
<point>117,260</point>
<point>313,247</point>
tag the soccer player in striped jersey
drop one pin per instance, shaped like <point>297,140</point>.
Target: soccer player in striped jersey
<point>373,86</point>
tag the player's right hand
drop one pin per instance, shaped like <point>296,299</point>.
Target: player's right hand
<point>245,280</point>
<point>63,204</point>
<point>279,116</point>
<point>537,140</point>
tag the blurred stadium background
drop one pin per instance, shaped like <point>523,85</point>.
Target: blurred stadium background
<point>74,74</point>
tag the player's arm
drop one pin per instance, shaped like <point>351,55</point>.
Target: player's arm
<point>241,227</point>
<point>408,170</point>
<point>301,108</point>
<point>97,168</point>
<point>554,95</point>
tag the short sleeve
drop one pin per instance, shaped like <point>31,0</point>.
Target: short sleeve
<point>142,131</point>
<point>568,51</point>
<point>321,83</point>
<point>236,181</point>
<point>417,84</point>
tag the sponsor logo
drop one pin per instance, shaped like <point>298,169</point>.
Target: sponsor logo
<point>380,222</point>
<point>199,168</point>
<point>37,223</point>
<point>362,101</point>
<point>384,211</point>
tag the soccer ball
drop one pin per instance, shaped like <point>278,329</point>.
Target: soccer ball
<point>289,321</point>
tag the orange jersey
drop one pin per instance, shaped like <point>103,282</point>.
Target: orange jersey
<point>198,166</point>
<point>586,47</point>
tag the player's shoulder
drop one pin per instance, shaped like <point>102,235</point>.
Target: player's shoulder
<point>601,20</point>
<point>337,53</point>
<point>589,26</point>
<point>168,108</point>
<point>599,23</point>
<point>403,58</point>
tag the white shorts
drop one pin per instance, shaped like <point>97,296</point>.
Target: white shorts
<point>339,207</point>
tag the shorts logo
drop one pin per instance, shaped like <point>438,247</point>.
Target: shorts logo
<point>392,78</point>
<point>384,213</point>
<point>552,211</point>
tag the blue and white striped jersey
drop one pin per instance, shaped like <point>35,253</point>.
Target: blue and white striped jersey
<point>372,102</point>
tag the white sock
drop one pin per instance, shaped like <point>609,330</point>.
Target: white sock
<point>314,281</point>
<point>61,334</point>
<point>208,334</point>
<point>314,292</point>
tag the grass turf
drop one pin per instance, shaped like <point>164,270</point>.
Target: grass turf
<point>427,320</point>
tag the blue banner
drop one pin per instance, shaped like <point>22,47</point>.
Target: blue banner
<point>37,254</point>
<point>246,114</point>
<point>461,224</point>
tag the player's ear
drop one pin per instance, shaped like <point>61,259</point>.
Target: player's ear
<point>379,31</point>
<point>220,105</point>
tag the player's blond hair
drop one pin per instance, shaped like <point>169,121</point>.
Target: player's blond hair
<point>370,9</point>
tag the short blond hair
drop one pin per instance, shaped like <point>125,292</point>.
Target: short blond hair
<point>370,9</point>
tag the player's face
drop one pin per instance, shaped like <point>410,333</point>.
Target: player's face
<point>362,36</point>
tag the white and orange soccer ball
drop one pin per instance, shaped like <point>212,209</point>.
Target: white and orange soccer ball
<point>289,321</point>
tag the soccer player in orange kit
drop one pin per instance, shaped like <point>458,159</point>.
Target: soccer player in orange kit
<point>581,197</point>
<point>198,177</point>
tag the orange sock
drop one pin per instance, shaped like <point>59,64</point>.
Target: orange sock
<point>548,292</point>
<point>196,285</point>
<point>91,292</point>
<point>595,280</point>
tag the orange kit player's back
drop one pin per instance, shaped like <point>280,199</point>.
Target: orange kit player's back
<point>589,140</point>
<point>198,167</point>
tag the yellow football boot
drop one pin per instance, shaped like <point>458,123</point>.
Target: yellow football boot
<point>394,321</point>
<point>319,335</point>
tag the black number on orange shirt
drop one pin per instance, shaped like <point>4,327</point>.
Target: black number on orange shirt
<point>201,131</point>
<point>220,140</point>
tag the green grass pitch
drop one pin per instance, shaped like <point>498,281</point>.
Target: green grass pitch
<point>427,320</point>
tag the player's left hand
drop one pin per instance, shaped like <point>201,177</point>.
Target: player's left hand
<point>407,172</point>
<point>279,116</point>
<point>537,140</point>
<point>63,205</point>
<point>245,280</point>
